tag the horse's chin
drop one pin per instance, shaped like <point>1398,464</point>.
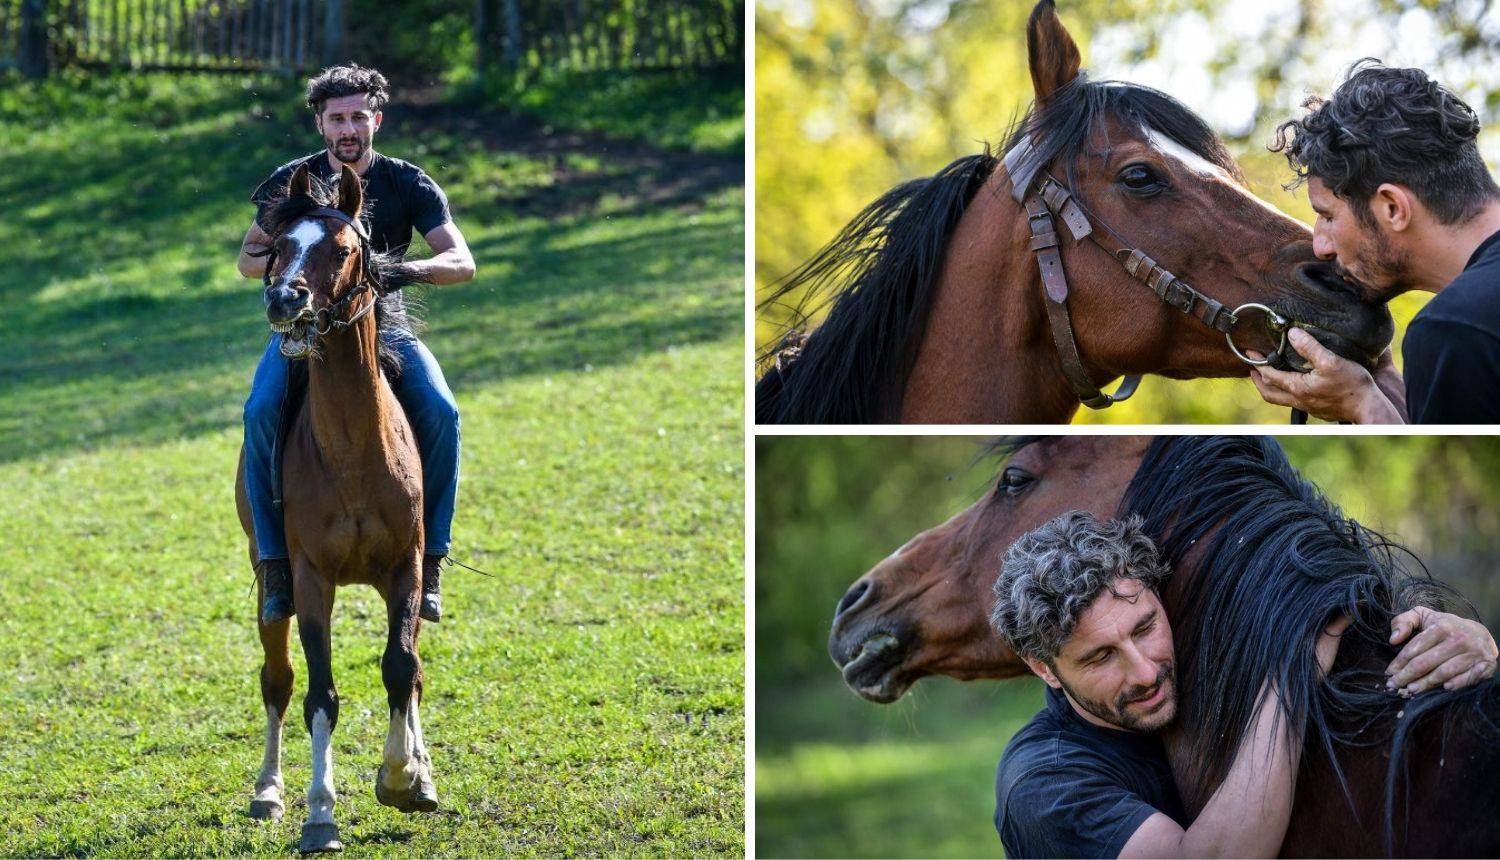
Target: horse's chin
<point>873,674</point>
<point>296,339</point>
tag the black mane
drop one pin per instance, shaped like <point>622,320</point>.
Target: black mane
<point>875,279</point>
<point>1065,128</point>
<point>393,313</point>
<point>1268,561</point>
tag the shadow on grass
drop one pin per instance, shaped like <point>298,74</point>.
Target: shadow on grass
<point>126,321</point>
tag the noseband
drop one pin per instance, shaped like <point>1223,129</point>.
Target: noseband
<point>1044,197</point>
<point>329,317</point>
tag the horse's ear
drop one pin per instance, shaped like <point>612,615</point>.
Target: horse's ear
<point>1051,51</point>
<point>300,186</point>
<point>351,195</point>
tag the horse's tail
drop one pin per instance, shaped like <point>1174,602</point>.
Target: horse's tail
<point>876,278</point>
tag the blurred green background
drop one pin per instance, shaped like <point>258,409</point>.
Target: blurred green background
<point>838,776</point>
<point>853,96</point>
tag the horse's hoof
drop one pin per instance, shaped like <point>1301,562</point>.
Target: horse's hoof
<point>424,793</point>
<point>319,838</point>
<point>266,810</point>
<point>420,796</point>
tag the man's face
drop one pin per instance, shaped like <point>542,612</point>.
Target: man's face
<point>348,126</point>
<point>1118,664</point>
<point>1363,251</point>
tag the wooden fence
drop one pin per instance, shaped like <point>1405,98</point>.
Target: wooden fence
<point>609,34</point>
<point>169,34</point>
<point>36,35</point>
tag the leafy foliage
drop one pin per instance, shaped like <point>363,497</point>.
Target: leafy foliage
<point>853,98</point>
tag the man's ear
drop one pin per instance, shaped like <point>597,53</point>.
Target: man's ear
<point>1051,51</point>
<point>1393,206</point>
<point>379,116</point>
<point>1043,671</point>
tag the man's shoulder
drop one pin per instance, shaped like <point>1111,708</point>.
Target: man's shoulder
<point>403,170</point>
<point>290,167</point>
<point>1472,299</point>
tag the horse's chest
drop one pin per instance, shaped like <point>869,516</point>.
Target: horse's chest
<point>350,526</point>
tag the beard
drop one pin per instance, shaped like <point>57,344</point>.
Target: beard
<point>1386,271</point>
<point>342,153</point>
<point>1118,713</point>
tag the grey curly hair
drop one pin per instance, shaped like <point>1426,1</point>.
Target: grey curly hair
<point>1053,573</point>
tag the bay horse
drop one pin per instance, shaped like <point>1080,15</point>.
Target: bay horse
<point>1262,561</point>
<point>971,296</point>
<point>352,495</point>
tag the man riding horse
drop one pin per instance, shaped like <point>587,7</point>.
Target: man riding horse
<point>346,102</point>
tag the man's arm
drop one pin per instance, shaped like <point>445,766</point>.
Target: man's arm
<point>256,241</point>
<point>450,264</point>
<point>1248,815</point>
<point>1336,389</point>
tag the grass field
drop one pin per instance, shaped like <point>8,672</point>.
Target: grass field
<point>586,700</point>
<point>836,776</point>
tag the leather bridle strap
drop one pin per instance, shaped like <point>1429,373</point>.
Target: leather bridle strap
<point>1055,289</point>
<point>366,282</point>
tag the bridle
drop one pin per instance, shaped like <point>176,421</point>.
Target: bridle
<point>329,318</point>
<point>1043,197</point>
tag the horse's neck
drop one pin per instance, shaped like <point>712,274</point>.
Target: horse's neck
<point>347,405</point>
<point>987,354</point>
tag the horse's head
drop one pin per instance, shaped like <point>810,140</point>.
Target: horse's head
<point>316,259</point>
<point>925,609</point>
<point>1152,176</point>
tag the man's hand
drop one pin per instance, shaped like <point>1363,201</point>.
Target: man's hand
<point>1336,389</point>
<point>1449,651</point>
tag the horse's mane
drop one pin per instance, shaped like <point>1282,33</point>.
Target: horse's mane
<point>876,277</point>
<point>1263,561</point>
<point>393,313</point>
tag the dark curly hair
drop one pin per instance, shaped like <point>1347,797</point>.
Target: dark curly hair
<point>349,80</point>
<point>1385,124</point>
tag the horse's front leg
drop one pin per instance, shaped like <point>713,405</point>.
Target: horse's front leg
<point>405,777</point>
<point>320,707</point>
<point>276,694</point>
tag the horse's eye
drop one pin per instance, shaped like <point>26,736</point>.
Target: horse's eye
<point>1141,180</point>
<point>1015,480</point>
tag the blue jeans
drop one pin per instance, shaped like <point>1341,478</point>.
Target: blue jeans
<point>429,406</point>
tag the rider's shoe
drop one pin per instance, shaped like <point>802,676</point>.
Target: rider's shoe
<point>276,582</point>
<point>432,598</point>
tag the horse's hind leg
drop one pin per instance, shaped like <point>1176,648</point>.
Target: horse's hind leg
<point>276,692</point>
<point>320,707</point>
<point>405,777</point>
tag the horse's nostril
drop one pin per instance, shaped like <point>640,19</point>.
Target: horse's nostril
<point>851,597</point>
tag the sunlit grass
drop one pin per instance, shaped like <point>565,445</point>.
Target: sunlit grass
<point>586,700</point>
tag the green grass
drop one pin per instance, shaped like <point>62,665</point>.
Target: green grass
<point>679,109</point>
<point>586,700</point>
<point>836,776</point>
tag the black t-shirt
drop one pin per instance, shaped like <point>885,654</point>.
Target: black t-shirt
<point>1452,348</point>
<point>399,197</point>
<point>1068,788</point>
